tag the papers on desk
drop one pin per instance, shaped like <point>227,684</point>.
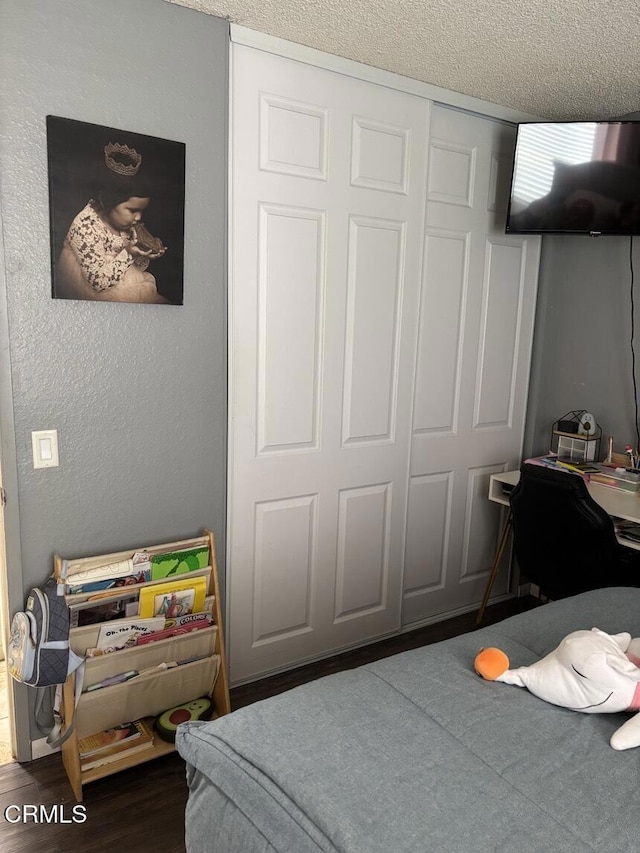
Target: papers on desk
<point>602,473</point>
<point>559,464</point>
<point>628,530</point>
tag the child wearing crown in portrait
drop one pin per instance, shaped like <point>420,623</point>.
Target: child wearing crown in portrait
<point>107,250</point>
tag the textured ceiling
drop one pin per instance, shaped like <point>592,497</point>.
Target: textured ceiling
<point>564,59</point>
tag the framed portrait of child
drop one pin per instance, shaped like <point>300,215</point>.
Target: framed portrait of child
<point>116,209</point>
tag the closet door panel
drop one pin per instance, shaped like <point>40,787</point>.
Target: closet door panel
<point>428,522</point>
<point>374,297</point>
<point>476,325</point>
<point>328,177</point>
<point>284,534</point>
<point>502,304</point>
<point>445,277</point>
<point>363,553</point>
<point>290,300</point>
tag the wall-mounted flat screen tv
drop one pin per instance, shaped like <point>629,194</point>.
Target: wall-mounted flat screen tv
<point>578,177</point>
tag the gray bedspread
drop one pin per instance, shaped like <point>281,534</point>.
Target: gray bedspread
<point>415,753</point>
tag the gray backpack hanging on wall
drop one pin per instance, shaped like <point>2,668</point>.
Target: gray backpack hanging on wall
<point>39,655</point>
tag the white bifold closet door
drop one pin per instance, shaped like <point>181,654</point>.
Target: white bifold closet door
<point>476,328</point>
<point>377,335</point>
<point>327,194</point>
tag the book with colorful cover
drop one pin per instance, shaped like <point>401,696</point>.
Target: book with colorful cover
<point>179,562</point>
<point>174,598</point>
<point>141,576</point>
<point>130,588</point>
<point>121,741</point>
<point>125,733</point>
<point>177,627</point>
<point>202,620</point>
<point>122,633</point>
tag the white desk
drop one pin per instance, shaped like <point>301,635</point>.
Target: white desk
<point>616,502</point>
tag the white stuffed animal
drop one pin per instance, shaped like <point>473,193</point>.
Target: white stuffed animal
<point>590,671</point>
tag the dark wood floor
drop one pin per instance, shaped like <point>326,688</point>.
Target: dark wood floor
<point>142,810</point>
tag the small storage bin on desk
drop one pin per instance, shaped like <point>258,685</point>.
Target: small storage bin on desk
<point>575,437</point>
<point>201,671</point>
<point>618,478</point>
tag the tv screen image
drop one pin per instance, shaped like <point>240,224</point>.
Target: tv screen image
<point>576,178</point>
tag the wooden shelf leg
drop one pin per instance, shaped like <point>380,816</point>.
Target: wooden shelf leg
<point>70,755</point>
<point>502,544</point>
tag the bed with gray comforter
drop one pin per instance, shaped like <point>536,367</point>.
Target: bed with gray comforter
<point>415,753</point>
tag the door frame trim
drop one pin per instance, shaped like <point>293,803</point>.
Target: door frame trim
<point>11,582</point>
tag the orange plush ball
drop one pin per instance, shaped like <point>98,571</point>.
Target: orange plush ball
<point>491,663</point>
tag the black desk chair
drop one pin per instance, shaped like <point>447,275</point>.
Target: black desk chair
<point>564,541</point>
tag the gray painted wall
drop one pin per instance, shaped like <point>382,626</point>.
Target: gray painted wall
<point>582,353</point>
<point>136,392</point>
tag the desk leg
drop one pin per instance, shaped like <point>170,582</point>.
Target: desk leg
<point>502,544</point>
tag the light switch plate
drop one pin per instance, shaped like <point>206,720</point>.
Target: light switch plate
<point>45,448</point>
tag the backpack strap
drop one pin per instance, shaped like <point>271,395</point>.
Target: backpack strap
<point>56,737</point>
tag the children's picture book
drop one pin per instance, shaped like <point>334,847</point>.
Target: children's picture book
<point>130,588</point>
<point>124,733</point>
<point>137,577</point>
<point>77,573</point>
<point>124,632</point>
<point>202,620</point>
<point>116,743</point>
<point>175,598</point>
<point>176,627</point>
<point>115,755</point>
<point>103,609</point>
<point>179,562</point>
